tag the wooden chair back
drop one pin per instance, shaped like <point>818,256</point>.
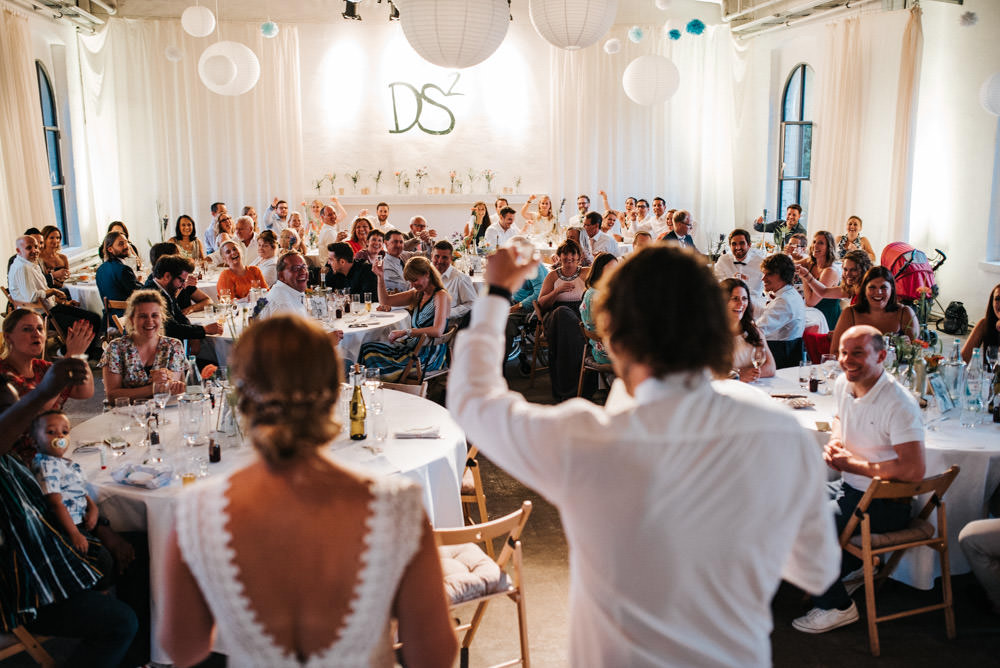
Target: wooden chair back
<point>20,640</point>
<point>418,390</point>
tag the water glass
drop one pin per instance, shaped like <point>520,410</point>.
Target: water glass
<point>381,427</point>
<point>805,371</point>
<point>355,303</point>
<point>368,302</point>
<point>191,418</point>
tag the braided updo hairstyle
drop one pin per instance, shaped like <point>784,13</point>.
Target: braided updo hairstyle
<point>287,374</point>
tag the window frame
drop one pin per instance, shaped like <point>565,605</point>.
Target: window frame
<point>58,183</point>
<point>801,72</point>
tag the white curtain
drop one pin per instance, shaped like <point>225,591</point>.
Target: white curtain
<point>862,152</point>
<point>681,150</point>
<point>25,190</point>
<point>161,144</point>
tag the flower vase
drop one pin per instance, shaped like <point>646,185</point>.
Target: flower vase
<point>355,187</point>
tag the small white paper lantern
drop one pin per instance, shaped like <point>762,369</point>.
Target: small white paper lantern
<point>613,45</point>
<point>229,68</point>
<point>989,94</point>
<point>198,21</point>
<point>650,79</point>
<point>635,34</point>
<point>664,5</point>
<point>455,33</point>
<point>173,54</point>
<point>572,24</point>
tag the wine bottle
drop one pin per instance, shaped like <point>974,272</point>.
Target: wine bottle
<point>358,411</point>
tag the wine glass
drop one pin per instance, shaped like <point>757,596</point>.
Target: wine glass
<point>831,368</point>
<point>758,357</point>
<point>190,417</point>
<point>990,358</point>
<point>161,395</point>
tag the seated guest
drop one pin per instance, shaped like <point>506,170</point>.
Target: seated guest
<point>286,295</point>
<point>522,309</point>
<point>27,286</point>
<point>663,220</point>
<point>276,216</point>
<point>158,250</point>
<point>682,223</point>
<point>854,241</point>
<point>419,239</point>
<point>641,240</point>
<point>987,330</point>
<point>58,599</point>
<point>429,305</point>
<point>115,279</point>
<point>797,248</point>
<point>356,276</point>
<point>559,300</point>
<point>219,209</point>
<point>252,212</point>
<point>132,363</point>
<point>132,258</point>
<point>877,432</point>
<point>392,262</point>
<point>51,257</point>
<point>328,233</point>
<point>541,222</point>
<point>289,240</point>
<point>237,278</point>
<point>784,317</point>
<point>877,306</point>
<point>663,449</point>
<point>597,242</point>
<point>855,265</point>
<point>296,223</point>
<point>458,284</point>
<point>40,241</point>
<point>498,235</point>
<point>747,339</point>
<point>267,260</point>
<point>245,235</point>
<point>359,233</point>
<point>782,229</point>
<point>475,229</point>
<point>742,263</point>
<point>190,298</point>
<point>603,264</point>
<point>980,543</point>
<point>576,234</point>
<point>820,266</point>
<point>169,277</point>
<point>611,226</point>
<point>347,528</point>
<point>186,239</point>
<point>373,249</point>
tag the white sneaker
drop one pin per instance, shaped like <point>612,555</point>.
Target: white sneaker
<point>818,620</point>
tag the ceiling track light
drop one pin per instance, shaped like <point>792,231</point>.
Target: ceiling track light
<point>393,10</point>
<point>351,10</point>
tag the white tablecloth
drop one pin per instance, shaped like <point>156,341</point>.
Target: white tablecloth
<point>375,326</point>
<point>435,464</point>
<point>976,451</point>
<point>87,294</point>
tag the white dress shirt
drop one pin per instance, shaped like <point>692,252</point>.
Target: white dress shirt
<point>647,224</point>
<point>749,272</point>
<point>249,250</point>
<point>268,268</point>
<point>784,317</point>
<point>496,236</point>
<point>283,298</point>
<point>461,290</point>
<point>600,243</point>
<point>26,281</point>
<point>327,236</point>
<point>733,475</point>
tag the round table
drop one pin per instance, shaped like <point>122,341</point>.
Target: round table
<point>976,451</point>
<point>436,464</point>
<point>374,326</point>
<point>85,291</point>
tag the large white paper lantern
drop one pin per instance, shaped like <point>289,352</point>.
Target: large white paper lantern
<point>455,33</point>
<point>572,24</point>
<point>989,94</point>
<point>229,68</point>
<point>650,79</point>
<point>198,21</point>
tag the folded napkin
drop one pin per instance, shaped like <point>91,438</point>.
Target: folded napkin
<point>150,476</point>
<point>419,432</point>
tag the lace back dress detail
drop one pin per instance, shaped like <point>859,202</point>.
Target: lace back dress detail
<point>393,530</point>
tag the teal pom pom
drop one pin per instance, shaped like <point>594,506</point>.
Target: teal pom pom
<point>269,29</point>
<point>695,27</point>
<point>674,34</point>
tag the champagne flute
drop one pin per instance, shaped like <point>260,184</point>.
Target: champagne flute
<point>758,358</point>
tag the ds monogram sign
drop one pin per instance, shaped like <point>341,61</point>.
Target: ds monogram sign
<point>439,125</point>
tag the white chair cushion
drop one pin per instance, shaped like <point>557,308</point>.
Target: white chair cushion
<point>469,573</point>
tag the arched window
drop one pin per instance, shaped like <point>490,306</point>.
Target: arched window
<point>50,125</point>
<point>796,139</point>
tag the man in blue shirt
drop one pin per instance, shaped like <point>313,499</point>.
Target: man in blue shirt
<point>522,311</point>
<point>115,279</point>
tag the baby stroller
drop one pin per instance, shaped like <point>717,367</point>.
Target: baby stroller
<point>911,269</point>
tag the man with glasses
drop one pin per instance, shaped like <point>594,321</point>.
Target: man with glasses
<point>647,221</point>
<point>420,240</point>
<point>286,295</point>
<point>597,241</point>
<point>582,206</point>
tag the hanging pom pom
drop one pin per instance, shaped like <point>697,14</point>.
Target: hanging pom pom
<point>695,27</point>
<point>613,45</point>
<point>269,29</point>
<point>635,34</point>
<point>968,19</point>
<point>674,34</point>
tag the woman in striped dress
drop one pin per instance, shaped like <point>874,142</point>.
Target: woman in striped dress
<point>429,305</point>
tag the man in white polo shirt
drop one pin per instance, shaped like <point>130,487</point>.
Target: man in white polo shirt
<point>877,432</point>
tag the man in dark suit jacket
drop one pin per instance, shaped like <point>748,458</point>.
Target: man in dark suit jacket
<point>168,277</point>
<point>115,279</point>
<point>357,277</point>
<point>682,224</point>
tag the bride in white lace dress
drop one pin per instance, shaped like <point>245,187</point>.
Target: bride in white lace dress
<point>295,560</point>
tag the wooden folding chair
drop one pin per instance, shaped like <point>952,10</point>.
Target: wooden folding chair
<point>113,320</point>
<point>870,547</point>
<point>588,363</point>
<point>20,640</point>
<point>473,496</point>
<point>540,344</point>
<point>414,372</point>
<point>509,528</point>
<point>55,330</point>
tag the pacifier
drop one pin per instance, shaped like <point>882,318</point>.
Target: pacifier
<point>59,443</point>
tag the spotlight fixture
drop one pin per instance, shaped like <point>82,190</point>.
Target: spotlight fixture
<point>351,10</point>
<point>393,10</point>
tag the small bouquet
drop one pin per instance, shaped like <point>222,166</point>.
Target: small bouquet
<point>399,180</point>
<point>378,177</point>
<point>317,184</point>
<point>473,175</point>
<point>332,178</point>
<point>489,175</point>
<point>354,176</point>
<point>451,175</point>
<point>406,183</point>
<point>421,174</point>
<point>517,184</point>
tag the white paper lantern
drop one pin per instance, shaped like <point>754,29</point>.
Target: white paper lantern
<point>455,33</point>
<point>173,54</point>
<point>229,68</point>
<point>613,45</point>
<point>635,34</point>
<point>572,24</point>
<point>989,94</point>
<point>198,21</point>
<point>663,4</point>
<point>650,79</point>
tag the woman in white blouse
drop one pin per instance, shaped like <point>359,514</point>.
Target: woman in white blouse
<point>747,338</point>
